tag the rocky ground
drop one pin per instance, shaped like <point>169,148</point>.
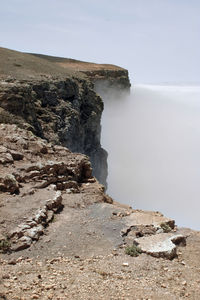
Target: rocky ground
<point>62,237</point>
<point>107,276</point>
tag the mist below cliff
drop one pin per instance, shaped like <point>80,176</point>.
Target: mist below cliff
<point>153,141</point>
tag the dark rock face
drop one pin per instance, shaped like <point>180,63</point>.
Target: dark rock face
<point>66,112</point>
<point>56,99</point>
<point>106,80</point>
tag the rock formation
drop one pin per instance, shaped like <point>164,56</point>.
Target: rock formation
<point>33,176</point>
<point>61,236</point>
<point>55,99</point>
<point>37,180</point>
<point>65,112</point>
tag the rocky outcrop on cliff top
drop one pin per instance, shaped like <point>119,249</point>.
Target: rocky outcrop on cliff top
<point>66,112</point>
<point>38,180</point>
<point>60,234</point>
<point>34,175</point>
<point>106,75</point>
<point>55,99</point>
<point>39,176</point>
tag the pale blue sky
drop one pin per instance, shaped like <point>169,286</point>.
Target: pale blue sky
<point>156,40</point>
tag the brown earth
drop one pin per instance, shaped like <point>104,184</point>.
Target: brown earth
<point>77,65</point>
<point>37,66</point>
<point>76,247</point>
<point>106,75</point>
<point>107,276</point>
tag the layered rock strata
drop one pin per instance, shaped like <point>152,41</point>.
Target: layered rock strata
<point>66,112</point>
<point>39,180</point>
<point>55,99</point>
<point>32,183</point>
<point>105,75</point>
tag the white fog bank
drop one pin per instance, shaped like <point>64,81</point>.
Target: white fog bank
<point>153,141</point>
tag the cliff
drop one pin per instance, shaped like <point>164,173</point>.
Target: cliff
<point>55,98</point>
<point>39,179</point>
<point>61,236</point>
<point>105,74</point>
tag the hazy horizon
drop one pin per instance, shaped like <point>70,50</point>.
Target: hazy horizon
<point>156,40</point>
<point>152,139</point>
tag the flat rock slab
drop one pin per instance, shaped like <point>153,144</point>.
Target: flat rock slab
<point>145,218</point>
<point>160,245</point>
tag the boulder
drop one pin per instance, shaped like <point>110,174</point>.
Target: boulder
<point>16,155</point>
<point>55,203</point>
<point>11,184</point>
<point>5,158</point>
<point>40,216</point>
<point>35,232</point>
<point>160,245</point>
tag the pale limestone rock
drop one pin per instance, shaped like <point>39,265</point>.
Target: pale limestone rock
<point>6,158</point>
<point>56,202</point>
<point>11,184</point>
<point>50,216</point>
<point>145,218</point>
<point>40,215</point>
<point>35,232</point>
<point>160,245</point>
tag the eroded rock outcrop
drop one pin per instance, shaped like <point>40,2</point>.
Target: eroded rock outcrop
<point>66,112</point>
<point>55,98</point>
<point>43,179</point>
<point>105,75</point>
<point>33,183</point>
<point>151,233</point>
<point>26,233</point>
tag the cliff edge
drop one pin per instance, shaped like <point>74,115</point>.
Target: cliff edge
<point>61,236</point>
<point>55,98</point>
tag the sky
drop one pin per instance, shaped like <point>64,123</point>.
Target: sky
<point>158,41</point>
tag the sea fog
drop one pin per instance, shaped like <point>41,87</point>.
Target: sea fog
<point>152,137</point>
